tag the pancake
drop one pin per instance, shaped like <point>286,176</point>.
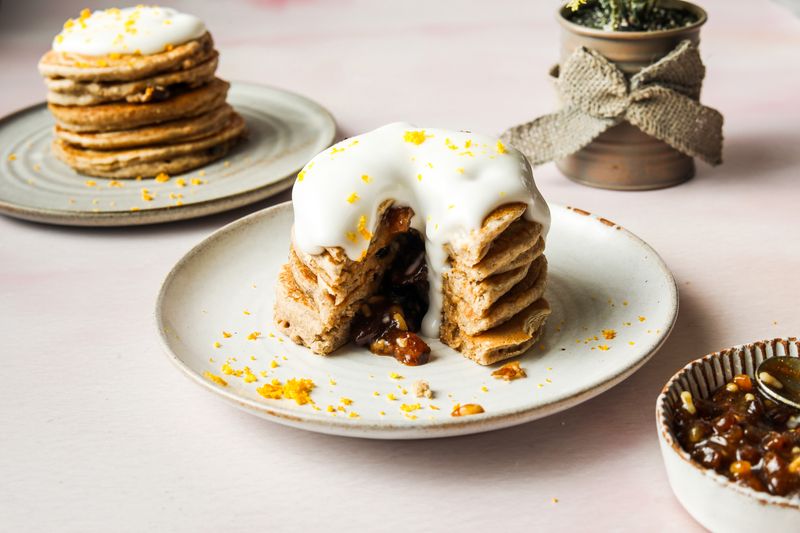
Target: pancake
<point>473,319</point>
<point>122,116</point>
<point>334,303</point>
<point>521,237</point>
<point>127,67</point>
<point>484,293</point>
<point>471,249</point>
<point>148,161</point>
<point>502,342</point>
<point>66,92</point>
<point>172,132</point>
<point>296,316</point>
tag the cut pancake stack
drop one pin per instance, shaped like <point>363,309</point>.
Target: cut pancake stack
<point>317,296</point>
<point>493,306</point>
<point>123,116</point>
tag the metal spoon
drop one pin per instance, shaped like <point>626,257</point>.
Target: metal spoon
<point>778,378</point>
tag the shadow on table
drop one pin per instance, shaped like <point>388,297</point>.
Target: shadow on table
<point>753,158</point>
<point>597,430</point>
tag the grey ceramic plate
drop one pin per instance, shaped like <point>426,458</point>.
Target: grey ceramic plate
<point>285,131</point>
<point>614,303</point>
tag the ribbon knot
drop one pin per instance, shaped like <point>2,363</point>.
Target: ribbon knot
<point>661,100</point>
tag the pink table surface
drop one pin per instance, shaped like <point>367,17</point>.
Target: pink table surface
<point>98,431</point>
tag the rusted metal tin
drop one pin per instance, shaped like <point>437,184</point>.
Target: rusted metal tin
<point>623,157</point>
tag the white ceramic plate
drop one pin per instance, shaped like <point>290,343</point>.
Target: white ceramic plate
<point>285,131</point>
<point>601,277</point>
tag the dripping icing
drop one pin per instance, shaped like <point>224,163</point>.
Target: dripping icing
<point>451,179</point>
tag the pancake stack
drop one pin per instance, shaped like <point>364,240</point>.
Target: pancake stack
<point>493,305</point>
<point>130,114</point>
<point>317,296</point>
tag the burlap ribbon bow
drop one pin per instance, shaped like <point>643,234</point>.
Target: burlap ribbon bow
<point>661,100</point>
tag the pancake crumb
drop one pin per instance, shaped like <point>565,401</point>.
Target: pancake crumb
<point>422,389</point>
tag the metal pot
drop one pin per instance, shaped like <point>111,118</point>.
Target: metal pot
<point>623,157</point>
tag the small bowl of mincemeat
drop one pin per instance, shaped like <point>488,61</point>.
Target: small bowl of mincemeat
<point>732,453</point>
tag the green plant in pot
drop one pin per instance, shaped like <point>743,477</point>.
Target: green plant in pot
<point>629,83</point>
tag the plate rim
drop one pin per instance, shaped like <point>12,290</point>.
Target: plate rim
<point>158,215</point>
<point>389,430</point>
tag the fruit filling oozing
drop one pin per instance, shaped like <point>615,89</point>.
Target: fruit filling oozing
<point>388,321</point>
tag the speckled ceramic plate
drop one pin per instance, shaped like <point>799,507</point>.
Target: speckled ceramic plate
<point>614,303</point>
<point>285,131</point>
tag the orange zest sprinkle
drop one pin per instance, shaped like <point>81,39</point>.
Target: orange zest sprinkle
<point>415,136</point>
<point>215,379</point>
<point>609,334</point>
<point>295,389</point>
<point>362,227</point>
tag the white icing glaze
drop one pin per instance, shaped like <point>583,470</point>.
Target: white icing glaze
<point>143,29</point>
<point>451,179</point>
